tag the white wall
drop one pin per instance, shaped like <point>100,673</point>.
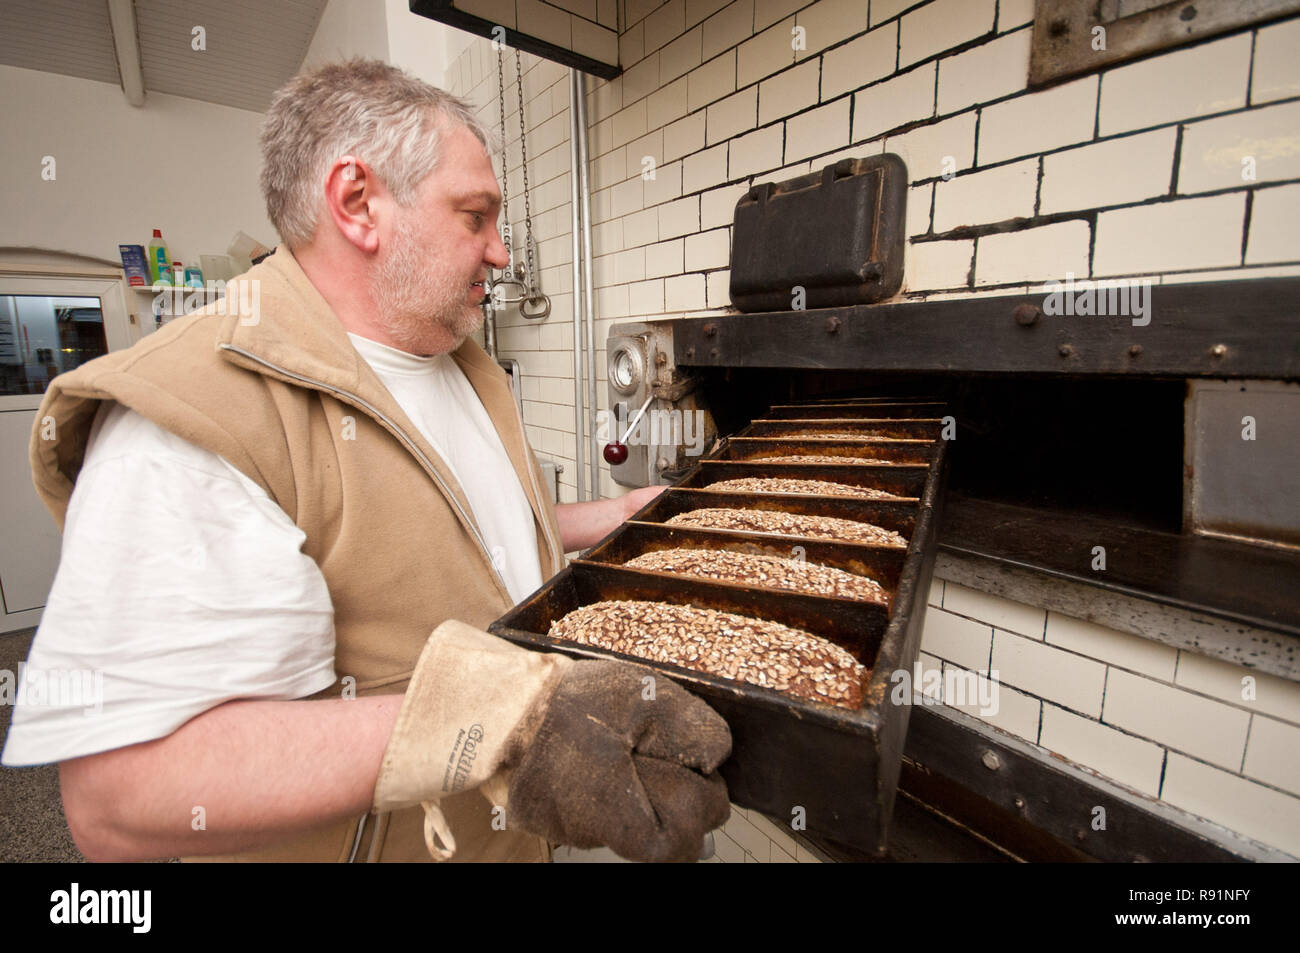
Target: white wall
<point>350,28</point>
<point>423,47</point>
<point>187,167</point>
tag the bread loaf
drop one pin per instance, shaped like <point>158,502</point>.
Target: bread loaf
<point>871,435</point>
<point>821,459</point>
<point>723,644</point>
<point>818,487</point>
<point>769,572</point>
<point>789,524</point>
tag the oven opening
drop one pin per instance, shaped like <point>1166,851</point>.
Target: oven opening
<point>1100,448</point>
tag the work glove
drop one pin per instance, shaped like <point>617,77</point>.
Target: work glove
<point>593,753</point>
<point>624,763</point>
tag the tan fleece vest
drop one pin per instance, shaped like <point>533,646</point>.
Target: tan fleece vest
<point>279,391</point>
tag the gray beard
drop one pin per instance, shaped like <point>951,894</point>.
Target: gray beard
<point>411,298</point>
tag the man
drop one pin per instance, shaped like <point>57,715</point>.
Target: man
<point>267,512</point>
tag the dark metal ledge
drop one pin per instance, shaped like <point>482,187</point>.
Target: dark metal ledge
<point>1248,328</point>
<point>1250,588</point>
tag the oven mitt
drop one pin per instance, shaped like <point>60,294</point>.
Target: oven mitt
<point>599,762</point>
<point>623,763</point>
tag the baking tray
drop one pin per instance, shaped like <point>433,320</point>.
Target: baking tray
<point>832,768</point>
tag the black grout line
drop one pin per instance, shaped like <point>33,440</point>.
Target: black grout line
<point>1038,189</point>
<point>1178,160</point>
<point>1250,68</point>
<point>1246,744</point>
<point>1245,226</point>
<point>1093,221</point>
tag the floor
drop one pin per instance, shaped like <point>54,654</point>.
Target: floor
<point>32,827</point>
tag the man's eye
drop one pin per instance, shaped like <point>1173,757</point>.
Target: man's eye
<point>479,218</point>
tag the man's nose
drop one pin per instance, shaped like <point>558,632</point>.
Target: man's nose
<point>496,254</point>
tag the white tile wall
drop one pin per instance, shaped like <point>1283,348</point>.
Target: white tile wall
<point>1190,233</point>
<point>731,25</point>
<point>1008,709</point>
<point>870,57</point>
<point>829,22</point>
<point>954,639</point>
<point>765,54</point>
<point>1256,811</point>
<point>1276,73</point>
<point>818,130</point>
<point>942,25</point>
<point>1114,172</point>
<point>730,117</point>
<point>1036,254</point>
<point>1260,145</point>
<point>985,73</point>
<point>1071,680</point>
<point>894,103</point>
<point>711,82</point>
<point>1239,686</point>
<point>995,195</point>
<point>1174,86</point>
<point>1273,232</point>
<point>938,264</point>
<point>1129,760</point>
<point>788,93</point>
<point>1038,122</point>
<point>1200,727</point>
<point>934,150</point>
<point>1274,753</point>
<point>1117,648</point>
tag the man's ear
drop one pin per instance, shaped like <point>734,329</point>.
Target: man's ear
<point>353,195</point>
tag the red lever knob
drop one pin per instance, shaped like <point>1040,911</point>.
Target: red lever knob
<point>615,453</point>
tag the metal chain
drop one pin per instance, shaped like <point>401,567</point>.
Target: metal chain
<point>523,149</point>
<point>505,151</point>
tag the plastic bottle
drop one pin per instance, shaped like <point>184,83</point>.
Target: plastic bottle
<point>194,277</point>
<point>178,274</point>
<point>158,257</point>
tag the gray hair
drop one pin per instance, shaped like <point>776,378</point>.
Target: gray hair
<point>366,108</point>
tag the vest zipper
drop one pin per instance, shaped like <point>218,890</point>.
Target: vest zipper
<point>356,841</point>
<point>424,460</point>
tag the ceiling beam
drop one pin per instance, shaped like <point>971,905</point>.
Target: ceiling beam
<point>121,16</point>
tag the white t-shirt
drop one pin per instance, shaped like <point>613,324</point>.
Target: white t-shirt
<point>181,585</point>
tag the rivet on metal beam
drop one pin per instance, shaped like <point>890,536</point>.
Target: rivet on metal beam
<point>991,760</point>
<point>1027,314</point>
<point>690,352</point>
<point>713,353</point>
<point>1019,802</point>
<point>833,324</point>
<point>1134,350</point>
<point>1065,350</point>
<point>710,329</point>
<point>1219,350</point>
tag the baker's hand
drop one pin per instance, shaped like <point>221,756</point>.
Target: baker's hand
<point>623,763</point>
<point>582,753</point>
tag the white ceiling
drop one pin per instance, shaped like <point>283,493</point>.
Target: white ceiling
<point>253,46</point>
